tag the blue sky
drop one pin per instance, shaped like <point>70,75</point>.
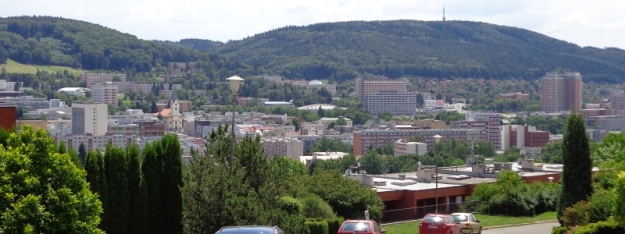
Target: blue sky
<point>587,23</point>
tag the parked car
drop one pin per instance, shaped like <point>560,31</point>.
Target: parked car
<point>439,224</point>
<point>469,223</point>
<point>250,230</point>
<point>360,227</point>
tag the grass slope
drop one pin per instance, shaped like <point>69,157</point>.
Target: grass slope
<point>486,220</point>
<point>15,67</point>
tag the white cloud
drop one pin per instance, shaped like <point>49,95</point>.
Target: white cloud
<point>587,23</point>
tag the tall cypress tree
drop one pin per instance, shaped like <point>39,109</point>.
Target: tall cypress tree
<point>96,176</point>
<point>171,182</point>
<point>82,153</point>
<point>151,168</point>
<point>119,197</point>
<point>577,166</point>
<point>138,207</point>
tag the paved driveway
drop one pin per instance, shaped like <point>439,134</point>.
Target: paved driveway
<point>543,228</point>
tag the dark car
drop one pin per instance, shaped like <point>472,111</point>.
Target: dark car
<point>250,230</point>
<point>360,227</point>
<point>439,224</point>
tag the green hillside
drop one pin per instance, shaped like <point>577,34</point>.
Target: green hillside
<point>344,50</point>
<point>14,67</point>
<point>72,43</point>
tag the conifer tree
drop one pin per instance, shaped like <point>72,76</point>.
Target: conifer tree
<point>577,166</point>
<point>82,153</point>
<point>150,168</point>
<point>75,159</point>
<point>61,149</point>
<point>138,207</point>
<point>96,177</point>
<point>171,181</point>
<point>119,197</point>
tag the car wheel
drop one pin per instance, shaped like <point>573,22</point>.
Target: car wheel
<point>480,231</point>
<point>470,231</point>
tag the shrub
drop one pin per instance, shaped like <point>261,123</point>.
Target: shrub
<point>290,205</point>
<point>315,207</point>
<point>559,230</point>
<point>576,215</point>
<point>600,205</point>
<point>335,224</point>
<point>608,226</point>
<point>317,226</point>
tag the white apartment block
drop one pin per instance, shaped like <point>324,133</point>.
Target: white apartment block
<point>104,93</point>
<point>292,148</point>
<point>89,118</point>
<point>92,79</point>
<point>7,86</point>
<point>327,121</point>
<point>396,103</point>
<point>404,146</point>
<point>92,142</point>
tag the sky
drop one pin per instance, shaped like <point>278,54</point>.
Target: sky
<point>598,23</point>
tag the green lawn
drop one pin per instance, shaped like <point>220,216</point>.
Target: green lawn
<point>15,67</point>
<point>486,220</point>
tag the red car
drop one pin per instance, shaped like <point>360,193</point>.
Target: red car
<point>439,224</point>
<point>360,227</point>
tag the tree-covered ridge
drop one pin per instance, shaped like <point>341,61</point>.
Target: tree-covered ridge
<point>57,41</point>
<point>398,48</point>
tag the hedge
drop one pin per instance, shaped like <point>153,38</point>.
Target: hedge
<point>317,227</point>
<point>335,224</point>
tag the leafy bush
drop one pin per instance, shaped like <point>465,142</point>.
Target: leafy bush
<point>315,207</point>
<point>335,224</point>
<point>600,205</point>
<point>510,195</point>
<point>317,226</point>
<point>559,230</point>
<point>290,205</point>
<point>608,226</point>
<point>576,215</point>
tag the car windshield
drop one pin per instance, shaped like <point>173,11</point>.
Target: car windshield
<point>461,218</point>
<point>354,226</point>
<point>433,219</point>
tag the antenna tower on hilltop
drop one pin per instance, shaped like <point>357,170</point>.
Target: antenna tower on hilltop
<point>443,11</point>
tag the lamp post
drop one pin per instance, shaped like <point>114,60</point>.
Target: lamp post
<point>437,139</point>
<point>235,83</point>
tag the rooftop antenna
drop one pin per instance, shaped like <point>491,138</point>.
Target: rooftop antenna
<point>443,11</point>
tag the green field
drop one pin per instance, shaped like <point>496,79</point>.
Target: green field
<point>486,220</point>
<point>15,67</point>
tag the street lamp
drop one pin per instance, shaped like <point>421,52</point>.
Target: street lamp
<point>235,83</point>
<point>437,139</point>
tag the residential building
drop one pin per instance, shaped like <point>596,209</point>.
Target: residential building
<point>617,100</point>
<point>289,147</point>
<point>607,122</point>
<point>522,136</point>
<point>405,146</point>
<point>514,96</point>
<point>150,128</point>
<point>89,118</point>
<point>92,79</point>
<point>8,115</point>
<point>327,121</point>
<point>7,86</point>
<point>124,86</point>
<point>56,103</point>
<point>380,84</point>
<point>597,112</point>
<point>366,140</point>
<point>488,123</point>
<point>93,142</point>
<point>104,93</point>
<point>396,103</point>
<point>307,160</point>
<point>561,92</point>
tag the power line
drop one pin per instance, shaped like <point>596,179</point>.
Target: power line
<point>583,25</point>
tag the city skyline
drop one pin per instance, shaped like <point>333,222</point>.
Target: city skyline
<point>582,23</point>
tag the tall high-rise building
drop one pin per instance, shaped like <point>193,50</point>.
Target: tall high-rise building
<point>89,117</point>
<point>104,93</point>
<point>562,92</point>
<point>380,85</point>
<point>90,78</point>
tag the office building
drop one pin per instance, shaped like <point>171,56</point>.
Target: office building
<point>104,93</point>
<point>561,92</point>
<point>89,118</point>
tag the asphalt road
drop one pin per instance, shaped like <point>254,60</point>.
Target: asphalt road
<point>543,228</point>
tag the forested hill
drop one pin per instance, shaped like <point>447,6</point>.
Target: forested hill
<point>421,48</point>
<point>57,41</point>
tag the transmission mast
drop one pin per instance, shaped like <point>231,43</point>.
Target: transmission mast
<point>443,12</point>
